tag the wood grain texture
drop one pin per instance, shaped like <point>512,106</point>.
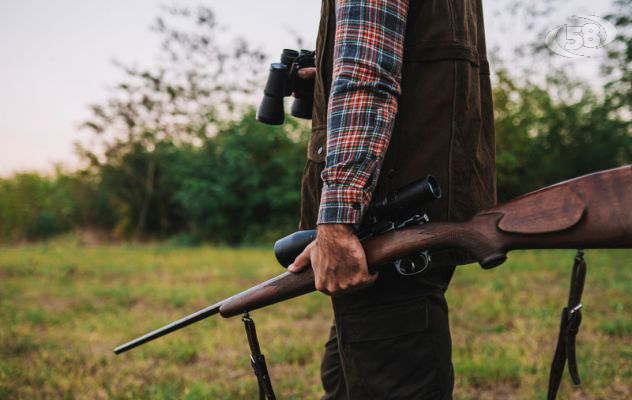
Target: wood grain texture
<point>593,211</point>
<point>551,211</point>
<point>283,287</point>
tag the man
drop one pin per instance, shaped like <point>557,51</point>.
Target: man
<point>402,91</point>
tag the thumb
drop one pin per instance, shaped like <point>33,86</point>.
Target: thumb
<point>302,260</point>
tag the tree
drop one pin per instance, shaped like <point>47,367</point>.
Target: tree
<point>197,84</point>
<point>554,131</point>
<point>244,183</point>
<point>618,66</point>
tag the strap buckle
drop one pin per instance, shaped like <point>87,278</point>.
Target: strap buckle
<point>575,309</point>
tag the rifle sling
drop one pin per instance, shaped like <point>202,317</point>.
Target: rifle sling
<point>569,327</point>
<point>258,361</point>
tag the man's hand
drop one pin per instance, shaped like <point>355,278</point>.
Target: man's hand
<point>338,260</point>
<point>307,73</point>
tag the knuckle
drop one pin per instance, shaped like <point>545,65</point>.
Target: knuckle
<point>366,280</point>
<point>360,279</point>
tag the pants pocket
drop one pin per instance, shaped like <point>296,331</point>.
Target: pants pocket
<point>389,352</point>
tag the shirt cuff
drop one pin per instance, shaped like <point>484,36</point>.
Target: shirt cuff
<point>341,205</point>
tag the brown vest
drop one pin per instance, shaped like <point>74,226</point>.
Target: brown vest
<point>444,125</point>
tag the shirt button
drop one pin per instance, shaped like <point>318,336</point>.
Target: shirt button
<point>320,150</point>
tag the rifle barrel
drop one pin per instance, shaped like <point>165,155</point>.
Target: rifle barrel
<point>174,326</point>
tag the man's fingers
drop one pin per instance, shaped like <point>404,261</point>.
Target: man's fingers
<point>370,281</point>
<point>307,73</point>
<point>302,260</point>
<point>355,286</point>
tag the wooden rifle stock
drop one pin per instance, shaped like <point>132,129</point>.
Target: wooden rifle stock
<point>593,211</point>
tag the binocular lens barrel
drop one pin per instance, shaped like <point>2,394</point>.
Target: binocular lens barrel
<point>271,109</point>
<point>302,108</point>
<point>283,81</point>
<point>275,86</point>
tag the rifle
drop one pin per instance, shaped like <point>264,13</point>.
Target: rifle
<point>589,212</point>
<point>397,210</point>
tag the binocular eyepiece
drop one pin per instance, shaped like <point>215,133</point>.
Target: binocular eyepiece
<point>283,81</point>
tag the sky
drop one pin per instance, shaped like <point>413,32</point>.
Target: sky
<point>56,58</point>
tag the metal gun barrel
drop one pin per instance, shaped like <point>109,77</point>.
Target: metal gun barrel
<point>174,326</point>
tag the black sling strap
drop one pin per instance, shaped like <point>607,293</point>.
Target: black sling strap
<point>258,361</point>
<point>569,327</point>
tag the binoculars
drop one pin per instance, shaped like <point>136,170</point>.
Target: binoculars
<point>397,210</point>
<point>283,80</point>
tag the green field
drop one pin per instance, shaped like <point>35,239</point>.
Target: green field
<point>63,308</point>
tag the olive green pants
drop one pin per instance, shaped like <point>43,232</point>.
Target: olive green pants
<point>397,349</point>
<point>391,340</point>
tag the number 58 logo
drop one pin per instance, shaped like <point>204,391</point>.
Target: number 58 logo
<point>580,41</point>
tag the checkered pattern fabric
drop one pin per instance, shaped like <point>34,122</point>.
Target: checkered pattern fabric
<point>368,51</point>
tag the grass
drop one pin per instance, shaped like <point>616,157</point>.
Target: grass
<point>63,308</point>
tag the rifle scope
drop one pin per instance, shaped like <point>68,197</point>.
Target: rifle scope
<point>394,208</point>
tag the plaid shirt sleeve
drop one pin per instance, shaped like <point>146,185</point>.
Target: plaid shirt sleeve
<point>368,52</point>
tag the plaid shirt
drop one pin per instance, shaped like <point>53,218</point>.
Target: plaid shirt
<point>368,51</point>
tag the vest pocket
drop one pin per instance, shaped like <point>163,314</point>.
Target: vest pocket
<point>317,146</point>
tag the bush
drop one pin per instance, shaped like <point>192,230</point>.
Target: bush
<point>243,185</point>
<point>33,207</point>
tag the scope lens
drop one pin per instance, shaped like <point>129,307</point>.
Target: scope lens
<point>434,187</point>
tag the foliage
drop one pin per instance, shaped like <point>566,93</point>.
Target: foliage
<point>240,185</point>
<point>618,66</point>
<point>244,183</point>
<point>33,207</point>
<point>555,131</point>
<point>197,83</point>
<point>64,308</point>
<point>174,149</point>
